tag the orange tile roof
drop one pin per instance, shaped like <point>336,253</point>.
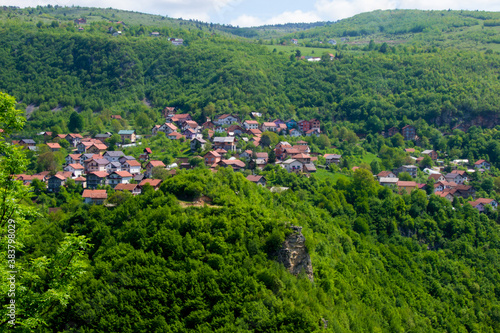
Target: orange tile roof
<point>95,194</point>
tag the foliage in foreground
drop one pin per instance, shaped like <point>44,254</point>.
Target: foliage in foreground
<point>382,262</point>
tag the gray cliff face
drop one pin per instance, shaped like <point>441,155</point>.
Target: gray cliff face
<point>293,254</point>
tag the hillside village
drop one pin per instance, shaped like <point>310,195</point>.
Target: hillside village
<point>99,168</point>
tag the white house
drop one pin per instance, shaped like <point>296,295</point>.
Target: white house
<point>76,169</point>
<point>226,119</point>
<point>292,165</point>
<point>132,166</point>
<point>119,177</point>
<point>251,124</point>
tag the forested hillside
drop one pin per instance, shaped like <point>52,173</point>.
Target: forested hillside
<point>52,68</point>
<point>476,30</point>
<point>199,252</point>
<point>382,262</point>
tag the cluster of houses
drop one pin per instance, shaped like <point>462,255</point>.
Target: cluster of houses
<point>179,126</point>
<point>91,164</point>
<point>448,186</point>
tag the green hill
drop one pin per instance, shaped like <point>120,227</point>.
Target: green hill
<point>473,30</point>
<point>51,66</point>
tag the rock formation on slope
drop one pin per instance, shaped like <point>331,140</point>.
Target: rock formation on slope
<point>294,255</point>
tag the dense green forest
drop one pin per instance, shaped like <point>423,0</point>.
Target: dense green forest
<point>382,262</point>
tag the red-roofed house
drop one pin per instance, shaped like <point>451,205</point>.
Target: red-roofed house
<point>269,126</point>
<point>481,203</point>
<point>55,182</point>
<point>259,180</point>
<point>96,178</point>
<point>407,186</point>
<point>53,146</point>
<point>132,166</point>
<point>153,164</point>
<point>482,164</point>
<point>235,164</point>
<point>119,177</point>
<point>76,169</point>
<point>135,189</point>
<point>155,183</point>
<point>212,158</point>
<point>94,196</point>
<point>251,124</point>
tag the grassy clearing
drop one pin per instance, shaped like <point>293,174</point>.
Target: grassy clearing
<point>305,51</point>
<point>322,175</point>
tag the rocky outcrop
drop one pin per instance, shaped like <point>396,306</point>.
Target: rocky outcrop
<point>294,255</point>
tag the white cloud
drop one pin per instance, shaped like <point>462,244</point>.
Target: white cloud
<point>247,21</point>
<point>297,16</point>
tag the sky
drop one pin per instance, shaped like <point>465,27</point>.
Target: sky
<point>247,13</point>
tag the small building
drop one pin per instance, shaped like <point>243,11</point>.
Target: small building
<point>269,127</point>
<point>482,164</point>
<point>411,169</point>
<point>432,154</point>
<point>388,181</point>
<point>97,148</point>
<point>135,189</point>
<point>454,177</point>
<point>226,143</point>
<point>98,178</point>
<point>76,169</point>
<point>132,166</point>
<point>294,133</point>
<point>113,156</point>
<point>251,124</point>
<point>437,177</point>
<point>292,165</point>
<point>386,174</point>
<point>332,158</point>
<point>119,177</point>
<point>113,166</point>
<point>151,165</point>
<point>212,158</point>
<point>259,180</point>
<point>407,186</point>
<point>73,158</point>
<point>226,119</point>
<point>177,41</point>
<point>96,164</point>
<point>280,149</point>
<point>55,182</point>
<point>392,131</point>
<point>463,173</point>
<point>309,168</point>
<point>27,142</point>
<point>154,183</point>
<point>409,132</point>
<point>95,197</point>
<point>235,164</point>
<point>481,203</point>
<point>80,21</point>
<point>198,143</point>
<point>54,146</point>
<point>127,135</point>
